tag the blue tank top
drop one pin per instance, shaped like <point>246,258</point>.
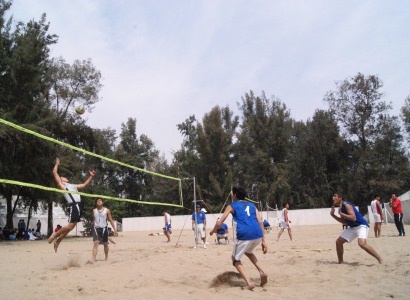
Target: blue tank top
<point>359,219</point>
<point>247,225</point>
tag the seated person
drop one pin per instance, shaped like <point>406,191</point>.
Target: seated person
<point>31,237</point>
<point>13,235</point>
<point>222,233</point>
<point>57,228</point>
<point>266,225</point>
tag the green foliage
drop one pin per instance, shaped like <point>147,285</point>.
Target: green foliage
<point>355,146</point>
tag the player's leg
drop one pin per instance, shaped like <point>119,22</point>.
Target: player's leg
<point>369,249</point>
<point>95,249</point>
<point>106,249</point>
<point>339,248</point>
<point>254,260</point>
<point>290,233</point>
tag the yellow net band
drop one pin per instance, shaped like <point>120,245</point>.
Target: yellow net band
<point>82,150</point>
<point>50,189</point>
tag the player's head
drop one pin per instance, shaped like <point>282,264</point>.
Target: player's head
<point>377,196</point>
<point>198,207</point>
<point>239,192</point>
<point>99,202</point>
<point>286,205</point>
<point>337,199</point>
<point>64,179</point>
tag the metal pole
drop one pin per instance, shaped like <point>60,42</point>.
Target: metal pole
<point>195,214</point>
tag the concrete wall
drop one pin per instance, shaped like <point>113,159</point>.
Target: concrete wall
<point>319,216</point>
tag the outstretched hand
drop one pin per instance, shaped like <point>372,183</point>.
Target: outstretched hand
<point>92,173</point>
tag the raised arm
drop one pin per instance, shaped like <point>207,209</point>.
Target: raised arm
<point>57,178</point>
<point>88,181</point>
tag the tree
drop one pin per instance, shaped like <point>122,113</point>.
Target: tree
<point>215,153</point>
<point>358,106</point>
<point>24,56</point>
<point>263,147</point>
<point>132,183</point>
<point>70,85</point>
<point>405,115</point>
<point>317,160</point>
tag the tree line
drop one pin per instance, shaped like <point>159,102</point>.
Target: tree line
<point>355,146</point>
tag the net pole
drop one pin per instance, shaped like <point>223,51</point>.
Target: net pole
<point>195,214</point>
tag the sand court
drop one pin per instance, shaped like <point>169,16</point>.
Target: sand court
<point>144,266</point>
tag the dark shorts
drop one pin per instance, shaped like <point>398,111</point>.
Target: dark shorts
<point>100,234</point>
<point>74,213</point>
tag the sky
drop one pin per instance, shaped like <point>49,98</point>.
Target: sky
<point>163,61</point>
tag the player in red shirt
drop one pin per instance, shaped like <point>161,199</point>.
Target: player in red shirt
<point>395,205</point>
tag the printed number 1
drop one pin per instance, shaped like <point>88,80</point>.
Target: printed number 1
<point>247,210</point>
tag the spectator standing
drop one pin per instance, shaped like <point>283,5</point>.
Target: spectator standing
<point>377,215</point>
<point>395,205</point>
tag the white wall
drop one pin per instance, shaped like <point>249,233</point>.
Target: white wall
<point>319,216</point>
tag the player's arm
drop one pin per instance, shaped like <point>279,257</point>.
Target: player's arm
<point>57,178</point>
<point>332,213</point>
<point>259,218</point>
<point>111,222</point>
<point>228,210</point>
<point>88,181</point>
<point>286,217</point>
<point>350,215</point>
<point>379,210</point>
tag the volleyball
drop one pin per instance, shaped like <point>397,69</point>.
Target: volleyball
<point>80,109</point>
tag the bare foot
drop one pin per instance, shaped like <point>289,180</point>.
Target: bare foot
<point>51,238</point>
<point>56,243</point>
<point>248,287</point>
<point>264,280</point>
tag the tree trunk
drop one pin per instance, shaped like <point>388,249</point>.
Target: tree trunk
<point>50,218</point>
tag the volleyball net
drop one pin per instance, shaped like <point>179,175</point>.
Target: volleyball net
<point>177,181</point>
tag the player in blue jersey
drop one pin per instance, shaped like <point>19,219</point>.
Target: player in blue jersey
<point>358,227</point>
<point>200,230</point>
<point>249,233</point>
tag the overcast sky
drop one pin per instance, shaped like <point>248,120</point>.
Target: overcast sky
<point>162,61</point>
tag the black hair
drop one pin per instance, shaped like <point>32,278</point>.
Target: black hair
<point>239,192</point>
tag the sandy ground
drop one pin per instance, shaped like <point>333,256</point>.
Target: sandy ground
<point>141,266</point>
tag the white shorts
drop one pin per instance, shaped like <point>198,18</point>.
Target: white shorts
<point>283,225</point>
<point>244,246</point>
<point>201,230</point>
<point>377,218</point>
<point>351,233</point>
